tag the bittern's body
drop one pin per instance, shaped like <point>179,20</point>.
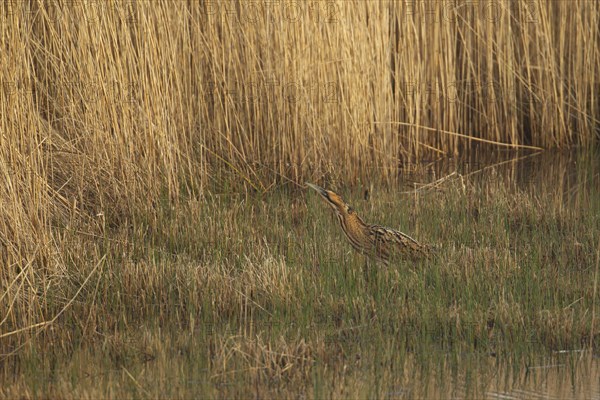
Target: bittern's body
<point>375,241</point>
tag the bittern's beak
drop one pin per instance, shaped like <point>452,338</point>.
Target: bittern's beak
<point>319,189</point>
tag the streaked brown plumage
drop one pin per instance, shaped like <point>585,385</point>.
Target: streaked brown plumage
<point>373,240</point>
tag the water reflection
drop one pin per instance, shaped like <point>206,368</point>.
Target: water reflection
<point>535,172</point>
<point>567,376</point>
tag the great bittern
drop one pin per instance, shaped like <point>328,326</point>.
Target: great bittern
<point>373,240</point>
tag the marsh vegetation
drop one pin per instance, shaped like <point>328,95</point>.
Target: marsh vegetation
<point>156,239</point>
<point>265,296</point>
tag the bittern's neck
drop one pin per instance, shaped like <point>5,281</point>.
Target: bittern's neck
<point>353,218</point>
<point>342,211</point>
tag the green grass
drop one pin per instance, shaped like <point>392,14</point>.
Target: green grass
<point>226,295</point>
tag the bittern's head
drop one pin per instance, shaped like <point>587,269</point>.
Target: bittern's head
<point>332,198</point>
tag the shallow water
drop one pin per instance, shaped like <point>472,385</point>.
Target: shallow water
<point>535,172</point>
<point>561,376</point>
<point>183,369</point>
